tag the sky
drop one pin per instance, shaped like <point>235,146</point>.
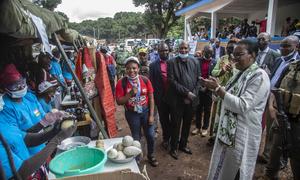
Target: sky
<point>79,10</point>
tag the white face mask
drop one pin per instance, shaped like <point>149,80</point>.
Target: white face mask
<point>18,94</point>
<point>1,103</point>
<point>183,56</point>
<point>133,78</point>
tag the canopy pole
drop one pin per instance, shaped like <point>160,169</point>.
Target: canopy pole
<point>77,82</point>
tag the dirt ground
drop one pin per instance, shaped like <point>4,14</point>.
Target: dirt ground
<point>187,167</point>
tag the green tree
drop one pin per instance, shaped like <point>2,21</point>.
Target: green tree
<point>48,4</point>
<point>160,14</point>
<point>63,15</point>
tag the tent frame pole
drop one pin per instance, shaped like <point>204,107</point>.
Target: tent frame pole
<point>77,82</point>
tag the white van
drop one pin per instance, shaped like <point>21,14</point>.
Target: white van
<point>150,42</point>
<point>130,43</point>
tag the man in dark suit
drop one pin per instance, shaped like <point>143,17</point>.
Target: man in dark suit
<point>266,56</point>
<point>219,51</point>
<point>158,77</point>
<point>184,83</point>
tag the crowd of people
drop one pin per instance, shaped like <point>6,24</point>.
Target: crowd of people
<point>245,30</point>
<point>234,93</point>
<point>234,90</point>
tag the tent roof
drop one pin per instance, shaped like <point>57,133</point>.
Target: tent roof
<point>16,22</point>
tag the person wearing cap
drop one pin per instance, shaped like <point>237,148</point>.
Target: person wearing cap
<point>22,108</point>
<point>46,92</point>
<point>144,64</point>
<point>55,69</point>
<point>135,92</point>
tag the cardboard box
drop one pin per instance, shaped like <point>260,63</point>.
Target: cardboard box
<point>116,175</point>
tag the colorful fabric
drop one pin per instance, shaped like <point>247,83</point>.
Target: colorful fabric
<point>229,123</point>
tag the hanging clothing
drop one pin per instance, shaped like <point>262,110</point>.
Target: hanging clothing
<point>239,132</point>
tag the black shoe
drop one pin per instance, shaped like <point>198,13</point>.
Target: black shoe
<point>174,154</point>
<point>165,145</point>
<point>153,162</point>
<point>211,141</point>
<point>186,150</point>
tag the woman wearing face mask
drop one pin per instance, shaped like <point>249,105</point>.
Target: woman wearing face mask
<point>22,108</point>
<point>136,94</point>
<point>243,101</point>
<point>46,91</point>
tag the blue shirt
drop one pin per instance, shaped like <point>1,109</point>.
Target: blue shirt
<point>15,140</point>
<point>23,115</point>
<point>56,70</point>
<point>47,107</point>
<point>65,71</point>
<point>153,56</point>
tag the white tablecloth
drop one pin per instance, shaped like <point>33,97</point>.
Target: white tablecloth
<point>110,166</point>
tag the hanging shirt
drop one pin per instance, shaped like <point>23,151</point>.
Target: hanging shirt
<point>19,151</point>
<point>23,115</point>
<point>56,70</point>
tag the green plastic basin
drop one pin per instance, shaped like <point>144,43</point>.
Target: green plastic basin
<point>80,160</point>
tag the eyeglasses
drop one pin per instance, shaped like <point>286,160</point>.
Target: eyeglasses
<point>238,55</point>
<point>20,84</point>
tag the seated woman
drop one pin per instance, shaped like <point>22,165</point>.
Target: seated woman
<point>136,94</point>
<point>15,157</point>
<point>46,91</point>
<point>22,108</point>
